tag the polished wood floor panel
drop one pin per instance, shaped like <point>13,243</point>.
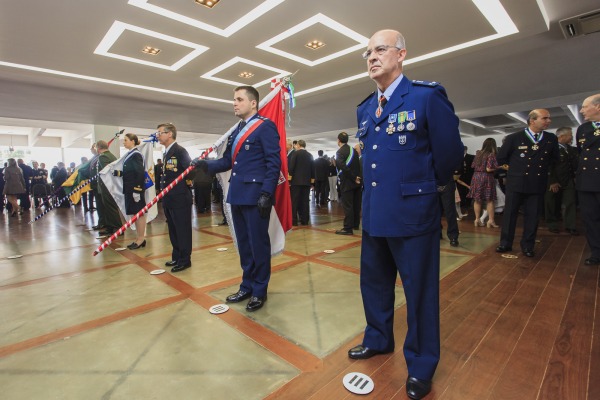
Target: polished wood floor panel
<point>511,328</point>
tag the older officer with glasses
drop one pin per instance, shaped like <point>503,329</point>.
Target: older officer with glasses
<point>410,143</point>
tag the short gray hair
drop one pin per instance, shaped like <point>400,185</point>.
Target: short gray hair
<point>564,130</point>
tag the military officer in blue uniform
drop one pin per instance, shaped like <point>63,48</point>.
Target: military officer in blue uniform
<point>587,179</point>
<point>408,134</point>
<point>253,156</point>
<point>529,155</point>
<point>177,204</point>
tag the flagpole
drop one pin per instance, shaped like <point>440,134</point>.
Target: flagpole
<point>171,185</point>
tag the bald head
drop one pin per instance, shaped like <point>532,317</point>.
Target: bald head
<point>385,54</point>
<point>590,109</point>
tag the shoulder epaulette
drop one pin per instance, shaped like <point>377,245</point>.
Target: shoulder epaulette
<point>425,83</point>
<point>261,117</point>
<point>366,98</point>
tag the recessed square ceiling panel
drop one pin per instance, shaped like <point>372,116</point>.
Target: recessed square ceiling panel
<point>359,41</point>
<point>175,13</point>
<point>334,42</point>
<point>236,64</point>
<point>121,31</point>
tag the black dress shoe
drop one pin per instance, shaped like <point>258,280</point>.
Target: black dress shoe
<point>171,263</point>
<point>240,295</point>
<point>572,232</point>
<point>592,261</point>
<point>344,232</point>
<point>503,249</point>
<point>97,227</point>
<point>454,242</point>
<point>528,253</point>
<point>223,223</point>
<point>554,230</point>
<point>361,352</point>
<point>416,389</point>
<point>181,267</point>
<point>134,245</point>
<point>255,303</point>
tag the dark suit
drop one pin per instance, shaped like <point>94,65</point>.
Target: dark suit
<point>177,204</point>
<point>588,184</point>
<point>25,202</point>
<point>401,215</point>
<point>59,178</point>
<point>348,164</point>
<point>526,182</point>
<point>256,170</point>
<point>321,180</point>
<point>563,173</point>
<point>301,169</point>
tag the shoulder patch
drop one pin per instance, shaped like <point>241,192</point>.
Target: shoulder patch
<point>425,83</point>
<point>263,118</point>
<point>366,98</point>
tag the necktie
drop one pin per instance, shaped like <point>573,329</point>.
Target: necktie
<point>242,125</point>
<point>382,103</point>
<point>536,136</point>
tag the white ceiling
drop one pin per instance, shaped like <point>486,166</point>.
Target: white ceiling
<point>67,66</point>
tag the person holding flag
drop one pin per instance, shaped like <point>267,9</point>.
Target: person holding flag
<point>253,154</point>
<point>134,176</point>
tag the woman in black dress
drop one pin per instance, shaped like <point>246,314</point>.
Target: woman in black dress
<point>134,174</point>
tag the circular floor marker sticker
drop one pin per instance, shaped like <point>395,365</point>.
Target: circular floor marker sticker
<point>218,308</point>
<point>329,251</point>
<point>157,272</point>
<point>509,256</point>
<point>222,249</point>
<point>15,256</point>
<point>120,248</point>
<point>358,383</point>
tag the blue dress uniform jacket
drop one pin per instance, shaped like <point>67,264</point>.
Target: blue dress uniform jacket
<point>402,166</point>
<point>528,168</point>
<point>256,170</point>
<point>256,167</point>
<point>402,169</point>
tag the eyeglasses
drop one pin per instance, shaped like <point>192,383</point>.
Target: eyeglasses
<point>160,133</point>
<point>380,50</point>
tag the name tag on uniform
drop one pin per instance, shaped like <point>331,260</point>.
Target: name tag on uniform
<point>522,147</point>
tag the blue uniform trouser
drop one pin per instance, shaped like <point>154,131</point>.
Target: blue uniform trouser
<point>254,245</point>
<point>417,259</point>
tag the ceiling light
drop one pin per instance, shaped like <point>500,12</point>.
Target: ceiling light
<point>315,44</point>
<point>264,7</point>
<point>150,50</point>
<point>207,3</point>
<point>246,75</point>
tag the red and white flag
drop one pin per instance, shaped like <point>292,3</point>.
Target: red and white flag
<point>272,107</point>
